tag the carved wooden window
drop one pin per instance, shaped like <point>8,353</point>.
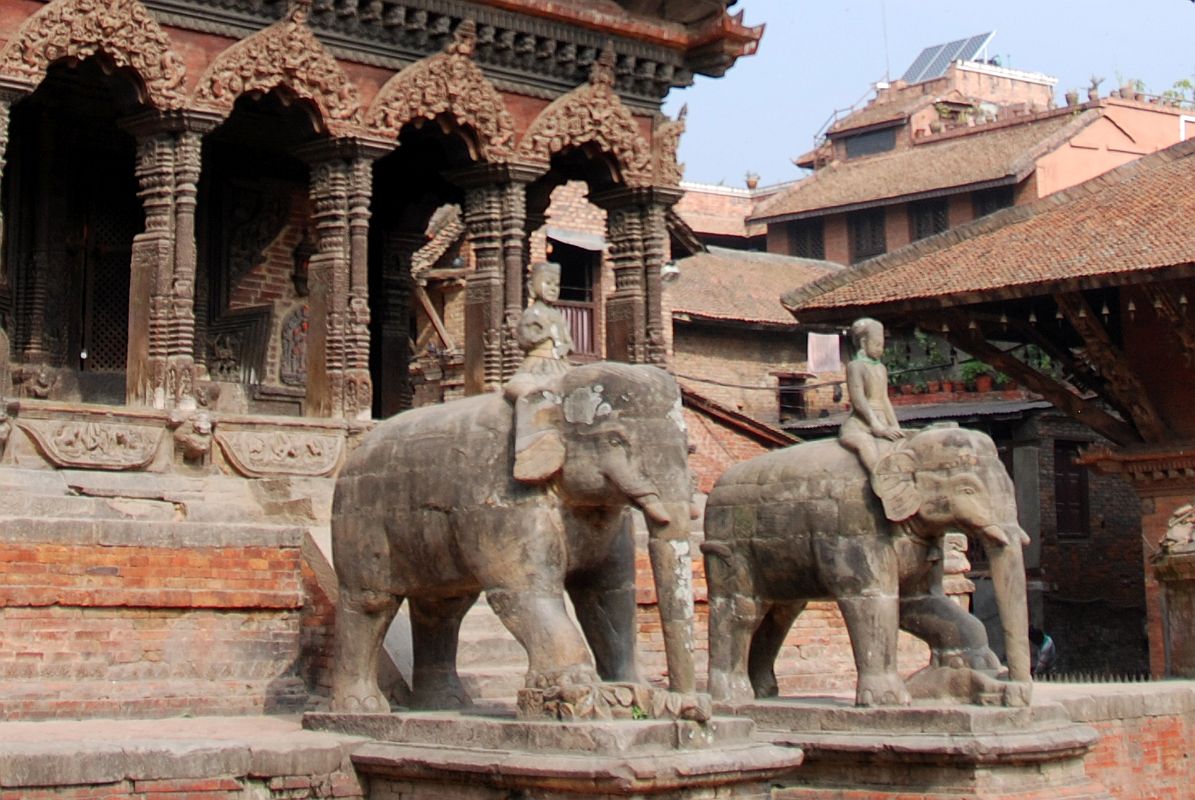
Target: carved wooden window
<point>807,238</point>
<point>928,217</point>
<point>989,201</point>
<point>1070,492</point>
<point>867,234</point>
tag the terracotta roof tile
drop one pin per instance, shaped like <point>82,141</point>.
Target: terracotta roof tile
<point>1134,219</point>
<point>894,110</point>
<point>999,152</point>
<point>719,213</point>
<point>736,285</point>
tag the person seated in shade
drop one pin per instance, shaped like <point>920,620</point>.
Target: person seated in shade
<point>1042,652</point>
<point>543,335</point>
<point>872,418</point>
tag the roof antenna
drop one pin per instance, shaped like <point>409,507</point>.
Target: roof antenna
<point>884,25</point>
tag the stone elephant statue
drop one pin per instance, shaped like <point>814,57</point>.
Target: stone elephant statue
<point>426,510</point>
<point>805,523</point>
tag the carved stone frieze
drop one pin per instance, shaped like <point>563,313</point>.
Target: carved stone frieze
<point>448,84</point>
<point>292,367</point>
<point>260,453</point>
<point>591,114</point>
<point>285,55</point>
<point>123,30</point>
<point>94,445</point>
<point>665,141</point>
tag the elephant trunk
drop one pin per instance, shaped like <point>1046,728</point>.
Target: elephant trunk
<point>672,570</point>
<point>1008,579</point>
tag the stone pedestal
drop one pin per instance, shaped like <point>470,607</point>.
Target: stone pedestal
<point>1175,572</point>
<point>436,756</point>
<point>928,751</point>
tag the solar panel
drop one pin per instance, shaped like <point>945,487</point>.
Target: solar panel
<point>934,61</point>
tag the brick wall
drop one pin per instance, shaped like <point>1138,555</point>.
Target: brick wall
<point>133,630</point>
<point>284,787</point>
<point>1094,591</point>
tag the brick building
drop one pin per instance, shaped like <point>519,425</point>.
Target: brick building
<point>1099,276</point>
<point>217,270</point>
<point>926,156</point>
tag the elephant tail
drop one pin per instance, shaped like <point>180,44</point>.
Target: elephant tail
<point>716,549</point>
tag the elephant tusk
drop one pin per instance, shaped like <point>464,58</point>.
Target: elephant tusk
<point>996,535</point>
<point>654,509</point>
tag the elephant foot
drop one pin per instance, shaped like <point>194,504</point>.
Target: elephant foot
<point>360,700</point>
<point>608,701</point>
<point>977,658</point>
<point>966,685</point>
<point>730,688</point>
<point>885,689</point>
<point>446,700</point>
<point>581,674</point>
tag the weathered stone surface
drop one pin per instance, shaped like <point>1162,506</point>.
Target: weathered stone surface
<point>809,522</point>
<point>427,509</point>
<point>489,757</point>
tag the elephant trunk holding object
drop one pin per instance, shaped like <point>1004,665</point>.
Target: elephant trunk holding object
<point>805,523</point>
<point>427,510</point>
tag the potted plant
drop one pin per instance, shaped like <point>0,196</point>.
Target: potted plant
<point>978,374</point>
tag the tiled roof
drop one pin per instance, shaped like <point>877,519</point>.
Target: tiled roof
<point>1001,152</point>
<point>735,285</point>
<point>1133,219</point>
<point>894,110</point>
<point>718,213</point>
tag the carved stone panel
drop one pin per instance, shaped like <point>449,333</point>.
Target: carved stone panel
<point>292,367</point>
<point>259,453</point>
<point>93,444</point>
<point>122,29</point>
<point>284,55</point>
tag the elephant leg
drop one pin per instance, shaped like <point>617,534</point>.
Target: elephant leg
<point>956,638</point>
<point>734,615</point>
<point>556,652</point>
<point>766,644</point>
<point>861,572</point>
<point>362,618</point>
<point>435,632</point>
<point>604,600</point>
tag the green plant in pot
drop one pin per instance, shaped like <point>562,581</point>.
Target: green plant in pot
<point>978,376</point>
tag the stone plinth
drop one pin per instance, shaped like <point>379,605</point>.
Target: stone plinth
<point>1175,572</point>
<point>928,751</point>
<point>436,756</point>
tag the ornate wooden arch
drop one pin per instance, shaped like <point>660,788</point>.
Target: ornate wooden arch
<point>591,113</point>
<point>285,55</point>
<point>123,30</point>
<point>447,83</point>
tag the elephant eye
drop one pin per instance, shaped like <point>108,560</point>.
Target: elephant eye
<point>616,441</point>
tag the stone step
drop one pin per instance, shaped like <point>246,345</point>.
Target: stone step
<point>15,503</point>
<point>147,533</point>
<point>494,683</point>
<point>489,651</point>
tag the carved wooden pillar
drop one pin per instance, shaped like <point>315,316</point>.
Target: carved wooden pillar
<point>46,259</point>
<point>655,254</point>
<point>636,221</point>
<point>484,295</point>
<point>7,98</point>
<point>394,358</point>
<point>161,357</point>
<point>338,382</point>
<point>496,224</point>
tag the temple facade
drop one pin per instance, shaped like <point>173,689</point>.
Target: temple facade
<point>216,205</point>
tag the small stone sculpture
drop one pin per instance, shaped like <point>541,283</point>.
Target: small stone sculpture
<point>1180,529</point>
<point>544,336</point>
<point>807,523</point>
<point>872,418</point>
<point>427,510</point>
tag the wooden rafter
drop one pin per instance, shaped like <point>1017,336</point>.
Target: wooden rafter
<point>1122,381</point>
<point>1176,320</point>
<point>434,316</point>
<point>959,332</point>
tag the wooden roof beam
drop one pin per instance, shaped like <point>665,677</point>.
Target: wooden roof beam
<point>972,340</point>
<point>1121,379</point>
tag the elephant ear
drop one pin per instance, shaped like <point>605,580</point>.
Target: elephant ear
<point>893,482</point>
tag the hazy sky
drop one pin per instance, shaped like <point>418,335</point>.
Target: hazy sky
<point>816,57</point>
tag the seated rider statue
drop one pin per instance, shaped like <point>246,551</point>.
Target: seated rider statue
<point>872,418</point>
<point>543,334</point>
